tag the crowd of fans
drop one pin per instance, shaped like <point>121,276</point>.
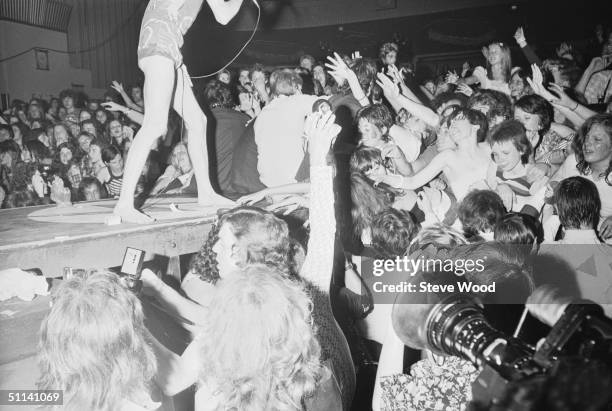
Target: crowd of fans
<point>460,165</point>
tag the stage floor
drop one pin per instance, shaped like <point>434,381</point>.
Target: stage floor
<point>50,238</point>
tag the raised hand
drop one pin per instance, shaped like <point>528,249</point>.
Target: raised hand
<point>60,195</point>
<point>128,133</point>
<point>112,106</point>
<point>253,198</point>
<point>465,68</point>
<point>452,77</point>
<point>338,68</point>
<point>118,87</point>
<point>321,132</point>
<point>290,204</point>
<point>390,89</point>
<point>519,36</point>
<point>465,89</point>
<point>151,283</point>
<point>564,99</point>
<point>536,83</point>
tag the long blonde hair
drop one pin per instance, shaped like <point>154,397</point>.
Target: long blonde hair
<point>92,344</point>
<point>259,350</point>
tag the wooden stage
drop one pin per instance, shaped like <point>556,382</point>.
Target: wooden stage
<point>50,238</point>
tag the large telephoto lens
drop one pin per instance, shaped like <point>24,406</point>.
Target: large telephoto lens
<point>458,327</point>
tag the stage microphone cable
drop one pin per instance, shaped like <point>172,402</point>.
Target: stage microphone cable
<point>156,197</point>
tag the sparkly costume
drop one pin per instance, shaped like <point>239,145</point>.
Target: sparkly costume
<point>163,26</point>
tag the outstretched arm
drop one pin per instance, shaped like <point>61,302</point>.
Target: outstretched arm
<point>341,72</point>
<point>224,11</point>
<point>398,101</point>
<point>317,268</point>
<point>419,179</point>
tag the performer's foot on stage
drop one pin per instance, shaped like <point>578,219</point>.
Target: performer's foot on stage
<point>131,215</point>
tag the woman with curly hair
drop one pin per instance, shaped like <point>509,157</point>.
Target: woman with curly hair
<point>93,347</point>
<point>592,159</point>
<point>247,236</point>
<point>260,349</point>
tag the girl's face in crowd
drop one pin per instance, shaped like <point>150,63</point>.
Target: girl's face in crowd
<point>430,86</point>
<point>95,154</point>
<point>61,113</point>
<point>517,85</point>
<point>90,129</point>
<point>597,145</point>
<point>224,78</point>
<point>224,249</point>
<point>116,130</point>
<point>84,143</point>
<point>68,102</point>
<point>460,129</point>
<point>54,104</point>
<point>318,72</point>
<point>116,164</point>
<point>84,115</point>
<point>307,64</point>
<point>93,106</point>
<point>243,78</point>
<point>495,54</point>
<point>506,155</point>
<point>531,122</point>
<point>377,169</point>
<point>65,155</point>
<point>92,193</point>
<point>137,93</point>
<point>371,136</point>
<point>34,111</point>
<point>60,134</point>
<point>390,58</point>
<point>101,116</point>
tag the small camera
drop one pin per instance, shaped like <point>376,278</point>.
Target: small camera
<point>131,268</point>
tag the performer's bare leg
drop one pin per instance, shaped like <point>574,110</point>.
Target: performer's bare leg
<point>186,105</point>
<point>158,89</point>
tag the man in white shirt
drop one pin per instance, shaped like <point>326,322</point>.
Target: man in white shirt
<point>279,129</point>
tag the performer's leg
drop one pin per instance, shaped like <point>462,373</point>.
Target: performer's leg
<point>159,74</point>
<point>187,106</point>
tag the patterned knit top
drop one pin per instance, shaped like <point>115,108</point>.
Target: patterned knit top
<point>317,273</point>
